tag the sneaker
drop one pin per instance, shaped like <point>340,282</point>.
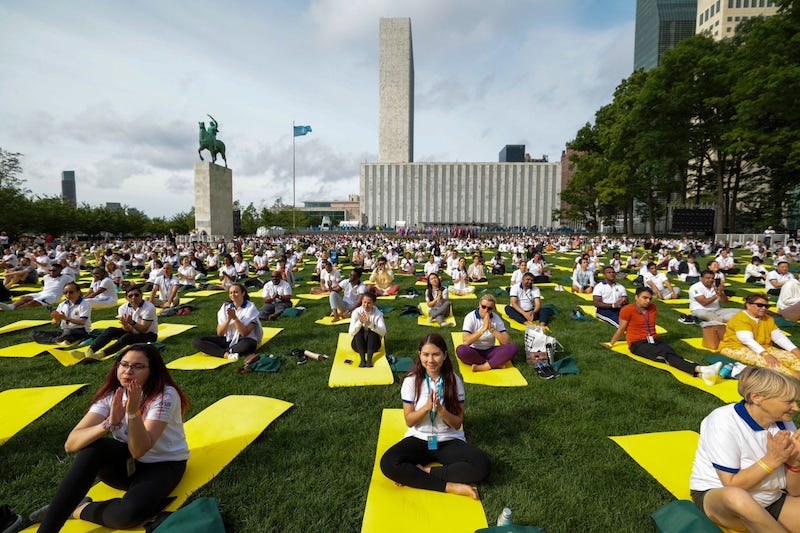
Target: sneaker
<point>710,373</point>
<point>232,356</point>
<point>549,371</point>
<point>687,319</point>
<point>6,307</point>
<point>9,520</point>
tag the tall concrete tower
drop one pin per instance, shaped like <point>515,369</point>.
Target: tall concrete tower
<point>68,193</point>
<point>396,131</point>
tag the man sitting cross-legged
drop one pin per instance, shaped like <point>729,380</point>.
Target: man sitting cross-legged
<point>74,317</point>
<point>609,297</point>
<point>346,295</point>
<point>526,303</point>
<point>277,295</point>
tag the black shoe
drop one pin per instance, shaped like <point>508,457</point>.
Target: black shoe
<point>545,371</point>
<point>687,319</point>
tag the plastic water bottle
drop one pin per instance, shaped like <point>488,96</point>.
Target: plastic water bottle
<point>505,517</point>
<point>725,371</point>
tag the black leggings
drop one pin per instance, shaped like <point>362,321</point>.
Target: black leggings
<point>462,463</point>
<point>146,490</point>
<point>69,335</point>
<point>217,345</point>
<point>123,339</point>
<point>366,341</point>
<point>661,351</point>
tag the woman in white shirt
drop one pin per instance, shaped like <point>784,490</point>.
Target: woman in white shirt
<point>238,327</point>
<point>367,328</point>
<point>142,407</point>
<point>459,276</point>
<point>433,407</point>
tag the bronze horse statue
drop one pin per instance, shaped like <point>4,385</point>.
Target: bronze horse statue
<point>208,141</point>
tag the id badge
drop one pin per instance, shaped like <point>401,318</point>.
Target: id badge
<point>650,339</point>
<point>130,465</point>
<point>433,442</point>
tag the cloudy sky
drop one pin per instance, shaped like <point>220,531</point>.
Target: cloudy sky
<point>115,90</point>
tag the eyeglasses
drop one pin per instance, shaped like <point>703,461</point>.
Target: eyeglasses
<point>763,306</point>
<point>132,366</point>
<point>487,307</point>
<point>134,295</point>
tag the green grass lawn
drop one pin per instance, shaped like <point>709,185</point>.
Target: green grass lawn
<point>552,461</point>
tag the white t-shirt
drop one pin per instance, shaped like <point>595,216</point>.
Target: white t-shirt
<point>473,322</point>
<point>247,314</point>
<point>351,293</point>
<point>165,407</point>
<point>110,292</point>
<point>730,440</point>
<point>525,297</point>
<point>271,290</point>
<point>79,310</point>
<point>698,289</point>
<point>145,312</point>
<point>608,293</point>
<point>425,428</point>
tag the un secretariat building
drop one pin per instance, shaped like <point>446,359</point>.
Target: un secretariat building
<point>515,193</point>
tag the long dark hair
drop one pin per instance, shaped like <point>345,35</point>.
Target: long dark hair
<point>157,380</point>
<point>450,400</point>
<point>429,290</point>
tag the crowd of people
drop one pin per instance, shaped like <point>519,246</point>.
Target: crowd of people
<point>141,406</point>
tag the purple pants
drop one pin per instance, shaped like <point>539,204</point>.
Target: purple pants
<point>497,356</point>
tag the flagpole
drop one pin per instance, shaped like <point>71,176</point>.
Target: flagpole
<point>294,188</point>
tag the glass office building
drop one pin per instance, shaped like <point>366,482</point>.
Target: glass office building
<point>660,25</point>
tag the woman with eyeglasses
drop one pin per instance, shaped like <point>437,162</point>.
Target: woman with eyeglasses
<point>486,343</point>
<point>138,324</point>
<point>433,407</point>
<point>238,327</point>
<point>752,338</point>
<point>74,317</point>
<point>142,408</point>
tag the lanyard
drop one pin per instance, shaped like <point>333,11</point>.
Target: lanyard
<point>646,317</point>
<point>439,393</point>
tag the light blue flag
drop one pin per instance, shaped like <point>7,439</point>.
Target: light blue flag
<point>301,130</point>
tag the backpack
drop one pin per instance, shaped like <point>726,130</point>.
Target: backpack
<point>537,341</point>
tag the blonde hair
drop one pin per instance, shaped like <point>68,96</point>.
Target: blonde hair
<point>767,383</point>
<point>488,297</point>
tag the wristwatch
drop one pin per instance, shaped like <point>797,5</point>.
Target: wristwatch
<point>108,426</point>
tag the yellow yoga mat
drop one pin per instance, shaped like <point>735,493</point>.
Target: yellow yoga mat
<point>328,321</point>
<point>165,331</point>
<point>350,375</point>
<point>592,312</point>
<point>587,297</point>
<point>697,342</point>
<point>667,456</point>
<point>25,349</point>
<point>393,509</point>
<point>508,376</point>
<point>390,297</point>
<point>22,324</point>
<point>479,283</point>
<point>725,390</point>
<point>215,439</point>
<point>201,361</point>
<point>121,300</point>
<point>454,296</point>
<point>424,320</point>
<point>309,296</point>
<point>202,294</point>
<point>513,324</point>
<point>20,407</point>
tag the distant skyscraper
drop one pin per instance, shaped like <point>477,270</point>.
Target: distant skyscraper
<point>719,18</point>
<point>660,25</point>
<point>396,86</point>
<point>68,187</point>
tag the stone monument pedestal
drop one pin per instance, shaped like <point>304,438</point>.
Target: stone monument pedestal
<point>213,199</point>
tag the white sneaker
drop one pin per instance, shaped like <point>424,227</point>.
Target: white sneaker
<point>710,373</point>
<point>6,307</point>
<point>737,369</point>
<point>232,356</point>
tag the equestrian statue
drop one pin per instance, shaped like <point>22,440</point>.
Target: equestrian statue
<point>208,141</point>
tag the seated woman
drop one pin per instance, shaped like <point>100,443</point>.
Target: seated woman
<point>142,407</point>
<point>102,292</point>
<point>475,272</point>
<point>367,328</point>
<point>238,328</point>
<point>482,328</point>
<point>382,278</point>
<point>74,317</point>
<point>459,276</point>
<point>433,406</point>
<point>749,338</point>
<point>498,264</point>
<point>187,275</point>
<point>537,267</point>
<point>227,275</point>
<point>746,473</point>
<point>407,265</point>
<point>755,271</point>
<point>582,277</point>
<point>139,324</point>
<point>516,276</point>
<point>437,300</point>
